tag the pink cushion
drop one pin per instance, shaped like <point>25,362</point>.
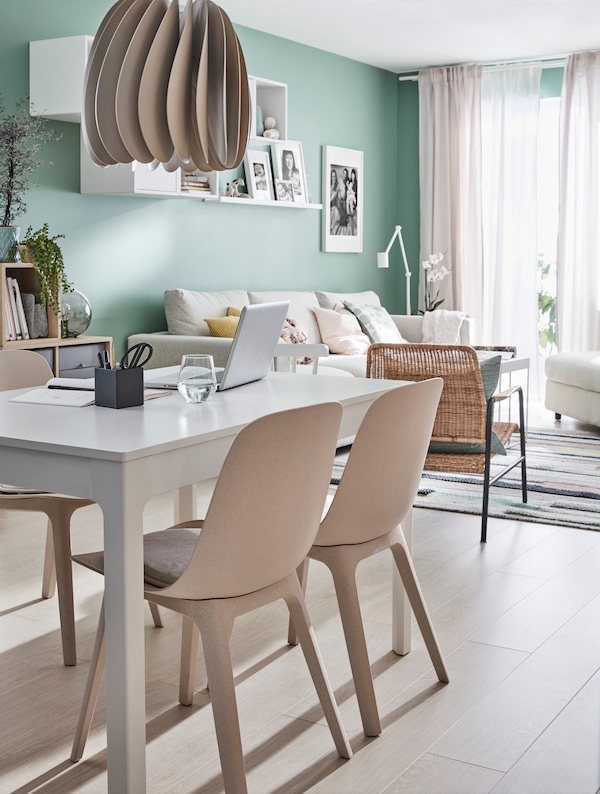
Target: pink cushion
<point>341,332</point>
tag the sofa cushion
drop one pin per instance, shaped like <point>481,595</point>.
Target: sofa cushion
<point>301,309</point>
<point>222,326</point>
<point>341,332</point>
<point>333,300</point>
<point>185,309</point>
<point>375,322</point>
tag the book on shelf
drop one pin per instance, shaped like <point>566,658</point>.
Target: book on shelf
<point>20,310</point>
<point>10,329</point>
<point>12,303</point>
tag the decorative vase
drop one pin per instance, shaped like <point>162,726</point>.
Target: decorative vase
<point>9,244</point>
<point>75,313</point>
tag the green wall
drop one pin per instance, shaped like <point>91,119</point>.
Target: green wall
<point>124,252</point>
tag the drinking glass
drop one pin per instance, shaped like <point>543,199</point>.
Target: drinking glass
<point>197,381</point>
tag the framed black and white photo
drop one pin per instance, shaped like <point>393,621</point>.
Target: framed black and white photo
<point>284,190</point>
<point>342,200</point>
<point>259,179</point>
<point>288,165</point>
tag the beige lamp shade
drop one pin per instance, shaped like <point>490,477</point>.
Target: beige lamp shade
<point>161,87</point>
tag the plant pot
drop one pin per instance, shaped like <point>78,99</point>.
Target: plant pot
<point>9,244</point>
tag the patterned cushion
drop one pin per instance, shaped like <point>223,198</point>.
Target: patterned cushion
<point>375,322</point>
<point>333,300</point>
<point>222,326</point>
<point>233,311</point>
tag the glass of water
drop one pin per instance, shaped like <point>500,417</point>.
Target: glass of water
<point>197,381</point>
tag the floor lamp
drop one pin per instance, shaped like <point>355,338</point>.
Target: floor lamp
<point>383,260</point>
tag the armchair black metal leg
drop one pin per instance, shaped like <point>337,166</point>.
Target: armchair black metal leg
<point>523,461</point>
<point>487,469</point>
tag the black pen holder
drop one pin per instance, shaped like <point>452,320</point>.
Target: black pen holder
<point>119,388</point>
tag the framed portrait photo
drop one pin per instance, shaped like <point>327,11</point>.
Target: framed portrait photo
<point>259,179</point>
<point>288,165</point>
<point>342,200</point>
<point>284,190</point>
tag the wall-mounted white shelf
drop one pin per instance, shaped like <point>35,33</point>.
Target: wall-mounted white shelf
<point>267,203</point>
<point>56,73</point>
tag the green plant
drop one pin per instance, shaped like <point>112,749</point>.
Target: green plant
<point>546,305</point>
<point>46,256</point>
<point>21,138</point>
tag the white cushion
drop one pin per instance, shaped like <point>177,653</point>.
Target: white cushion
<point>185,309</point>
<point>341,332</point>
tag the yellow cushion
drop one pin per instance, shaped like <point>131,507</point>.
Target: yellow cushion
<point>233,311</point>
<point>222,326</point>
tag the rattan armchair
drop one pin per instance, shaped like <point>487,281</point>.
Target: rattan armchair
<point>465,436</point>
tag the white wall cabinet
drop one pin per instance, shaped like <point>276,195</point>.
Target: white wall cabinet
<point>56,72</point>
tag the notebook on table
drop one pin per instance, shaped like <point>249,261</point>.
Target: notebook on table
<point>252,350</point>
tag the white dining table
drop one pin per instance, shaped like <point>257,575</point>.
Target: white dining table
<point>122,458</point>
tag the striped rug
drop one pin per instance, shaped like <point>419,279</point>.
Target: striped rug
<point>563,477</point>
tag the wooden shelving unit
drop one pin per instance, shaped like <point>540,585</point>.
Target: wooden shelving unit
<point>73,357</point>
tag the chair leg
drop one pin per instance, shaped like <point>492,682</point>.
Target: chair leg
<point>60,518</point>
<point>189,655</point>
<point>49,576</point>
<point>155,612</point>
<point>344,578</point>
<point>408,575</point>
<point>92,687</point>
<point>308,642</point>
<point>217,655</point>
<point>302,571</point>
<point>522,435</point>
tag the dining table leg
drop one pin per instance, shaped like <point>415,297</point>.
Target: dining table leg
<point>121,496</point>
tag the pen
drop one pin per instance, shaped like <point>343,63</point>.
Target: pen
<point>103,359</point>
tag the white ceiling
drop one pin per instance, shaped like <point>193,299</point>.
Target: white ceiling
<point>404,35</point>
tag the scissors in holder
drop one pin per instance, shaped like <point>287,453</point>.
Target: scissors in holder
<point>136,356</point>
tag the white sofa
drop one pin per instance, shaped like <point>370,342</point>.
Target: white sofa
<point>573,385</point>
<point>187,332</point>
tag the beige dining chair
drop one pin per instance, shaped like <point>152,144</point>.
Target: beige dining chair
<point>261,521</point>
<point>374,495</point>
<point>23,369</point>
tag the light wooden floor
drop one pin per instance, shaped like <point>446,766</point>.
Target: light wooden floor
<point>518,620</point>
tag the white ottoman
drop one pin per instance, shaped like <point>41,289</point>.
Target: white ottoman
<point>573,385</point>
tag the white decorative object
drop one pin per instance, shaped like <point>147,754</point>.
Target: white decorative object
<point>270,123</point>
<point>272,134</point>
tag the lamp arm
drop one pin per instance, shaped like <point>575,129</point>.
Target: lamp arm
<point>398,233</point>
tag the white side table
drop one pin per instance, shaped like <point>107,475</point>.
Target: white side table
<point>507,367</point>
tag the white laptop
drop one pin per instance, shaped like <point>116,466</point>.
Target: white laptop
<point>252,350</point>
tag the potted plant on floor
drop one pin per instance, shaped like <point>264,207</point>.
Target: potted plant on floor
<point>21,138</point>
<point>45,254</point>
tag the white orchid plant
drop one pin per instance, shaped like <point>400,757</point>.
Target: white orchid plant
<point>434,272</point>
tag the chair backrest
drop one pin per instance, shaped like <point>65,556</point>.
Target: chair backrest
<point>382,474</point>
<point>461,413</point>
<point>267,504</point>
<point>20,369</point>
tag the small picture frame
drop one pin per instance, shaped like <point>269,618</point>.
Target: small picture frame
<point>342,200</point>
<point>288,165</point>
<point>259,179</point>
<point>284,190</point>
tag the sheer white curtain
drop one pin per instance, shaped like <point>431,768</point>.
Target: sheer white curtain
<point>578,260</point>
<point>450,182</point>
<point>510,106</point>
